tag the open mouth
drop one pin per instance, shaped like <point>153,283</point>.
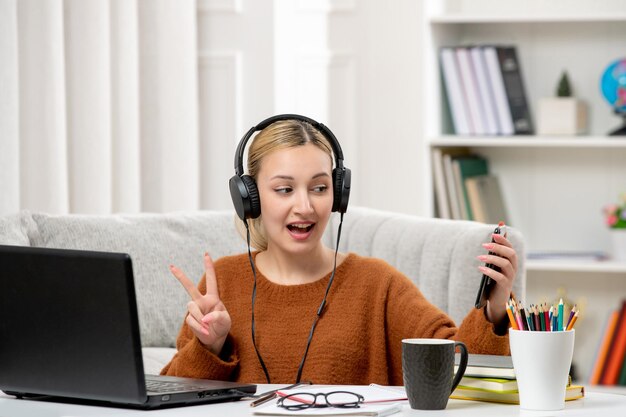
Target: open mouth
<point>300,228</point>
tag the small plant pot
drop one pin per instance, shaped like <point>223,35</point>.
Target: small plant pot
<point>561,116</point>
<point>618,238</point>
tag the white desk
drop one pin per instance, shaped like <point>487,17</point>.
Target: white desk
<point>594,404</point>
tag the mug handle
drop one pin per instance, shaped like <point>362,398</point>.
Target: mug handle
<point>462,365</point>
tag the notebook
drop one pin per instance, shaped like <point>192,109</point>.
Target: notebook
<point>70,331</point>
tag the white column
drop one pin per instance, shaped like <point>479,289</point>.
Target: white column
<point>42,106</point>
<point>87,41</point>
<point>9,115</point>
<point>126,167</point>
<point>169,104</point>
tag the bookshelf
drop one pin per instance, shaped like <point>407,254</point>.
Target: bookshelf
<point>554,186</point>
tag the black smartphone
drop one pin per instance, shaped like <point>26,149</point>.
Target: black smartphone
<point>486,283</point>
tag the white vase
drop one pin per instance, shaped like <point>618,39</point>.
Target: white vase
<point>618,236</point>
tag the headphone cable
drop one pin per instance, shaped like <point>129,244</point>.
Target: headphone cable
<point>258,354</point>
<point>320,309</point>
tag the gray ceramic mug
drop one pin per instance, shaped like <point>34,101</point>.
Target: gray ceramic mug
<point>428,371</point>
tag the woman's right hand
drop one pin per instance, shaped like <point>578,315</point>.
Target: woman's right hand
<point>206,314</point>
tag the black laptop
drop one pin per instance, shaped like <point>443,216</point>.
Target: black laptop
<point>69,330</point>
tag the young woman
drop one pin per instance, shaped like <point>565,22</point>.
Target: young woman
<point>370,306</point>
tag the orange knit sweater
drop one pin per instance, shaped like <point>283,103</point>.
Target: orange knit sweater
<point>370,309</point>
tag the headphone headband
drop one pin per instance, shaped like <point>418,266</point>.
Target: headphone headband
<point>243,189</point>
<point>334,143</point>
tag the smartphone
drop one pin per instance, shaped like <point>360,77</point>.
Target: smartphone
<point>486,283</point>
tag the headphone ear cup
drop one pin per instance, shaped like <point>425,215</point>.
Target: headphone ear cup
<point>341,189</point>
<point>253,196</point>
<point>245,196</point>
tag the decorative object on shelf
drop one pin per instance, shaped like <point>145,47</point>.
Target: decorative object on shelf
<point>615,218</point>
<point>613,87</point>
<point>563,114</point>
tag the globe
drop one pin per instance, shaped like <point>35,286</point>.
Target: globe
<point>613,86</point>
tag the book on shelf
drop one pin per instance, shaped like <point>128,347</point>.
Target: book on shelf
<point>454,92</point>
<point>464,167</point>
<point>485,198</point>
<point>439,184</point>
<point>572,392</point>
<point>617,351</point>
<point>602,350</point>
<point>487,366</point>
<point>455,195</point>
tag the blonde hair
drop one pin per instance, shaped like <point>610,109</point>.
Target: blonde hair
<point>279,135</point>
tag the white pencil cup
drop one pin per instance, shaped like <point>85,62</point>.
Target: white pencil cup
<point>542,362</point>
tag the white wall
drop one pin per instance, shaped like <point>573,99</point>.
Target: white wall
<point>354,66</point>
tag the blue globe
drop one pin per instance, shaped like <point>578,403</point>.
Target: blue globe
<point>613,85</point>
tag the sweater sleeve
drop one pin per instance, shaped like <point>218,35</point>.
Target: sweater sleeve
<point>410,315</point>
<point>194,360</point>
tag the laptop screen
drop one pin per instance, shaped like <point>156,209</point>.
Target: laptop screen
<point>68,325</point>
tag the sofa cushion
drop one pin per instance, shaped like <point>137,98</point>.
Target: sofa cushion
<point>14,229</point>
<point>153,241</point>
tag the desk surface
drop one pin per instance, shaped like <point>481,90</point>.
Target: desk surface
<point>594,403</point>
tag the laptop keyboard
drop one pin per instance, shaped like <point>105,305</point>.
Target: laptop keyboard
<point>168,386</point>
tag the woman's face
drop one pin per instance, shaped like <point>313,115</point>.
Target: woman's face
<point>295,188</point>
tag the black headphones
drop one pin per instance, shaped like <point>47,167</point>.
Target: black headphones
<point>243,189</point>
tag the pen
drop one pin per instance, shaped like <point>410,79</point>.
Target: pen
<point>571,314</point>
<point>570,326</point>
<point>525,320</point>
<point>541,319</point>
<point>509,312</point>
<point>537,324</point>
<point>270,395</point>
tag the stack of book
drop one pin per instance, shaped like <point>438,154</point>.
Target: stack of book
<point>485,90</point>
<point>491,378</point>
<point>464,187</point>
<point>610,364</point>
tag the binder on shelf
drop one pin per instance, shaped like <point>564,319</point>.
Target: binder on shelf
<point>469,82</point>
<point>485,90</point>
<point>454,92</point>
<point>503,60</point>
<point>486,200</point>
<point>503,112</point>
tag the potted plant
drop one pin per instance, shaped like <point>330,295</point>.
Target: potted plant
<point>563,114</point>
<point>615,219</point>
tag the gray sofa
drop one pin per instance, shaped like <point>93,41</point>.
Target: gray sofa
<point>438,255</point>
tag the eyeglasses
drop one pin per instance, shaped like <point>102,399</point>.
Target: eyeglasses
<point>304,400</point>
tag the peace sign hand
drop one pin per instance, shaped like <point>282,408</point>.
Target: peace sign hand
<point>206,314</point>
